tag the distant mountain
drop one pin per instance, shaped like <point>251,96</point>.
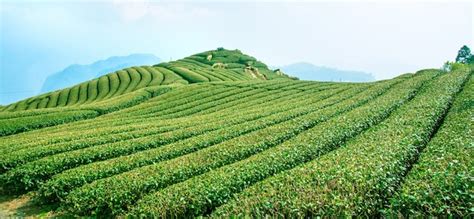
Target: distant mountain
<point>75,74</point>
<point>308,71</point>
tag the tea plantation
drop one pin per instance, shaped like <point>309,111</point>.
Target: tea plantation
<point>219,134</point>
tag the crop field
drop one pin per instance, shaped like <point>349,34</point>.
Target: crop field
<point>128,87</point>
<point>218,134</point>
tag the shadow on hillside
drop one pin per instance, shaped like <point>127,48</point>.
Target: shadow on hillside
<point>23,206</point>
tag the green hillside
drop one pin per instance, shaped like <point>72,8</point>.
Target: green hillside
<point>211,66</point>
<point>129,87</point>
<point>223,138</point>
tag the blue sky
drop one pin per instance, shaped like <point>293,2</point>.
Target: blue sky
<point>38,38</point>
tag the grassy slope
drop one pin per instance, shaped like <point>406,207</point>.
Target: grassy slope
<point>127,87</point>
<point>187,150</point>
<point>229,65</point>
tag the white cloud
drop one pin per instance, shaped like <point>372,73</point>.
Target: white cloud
<point>131,10</point>
<point>134,10</point>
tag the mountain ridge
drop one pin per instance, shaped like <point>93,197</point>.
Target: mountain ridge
<point>309,71</point>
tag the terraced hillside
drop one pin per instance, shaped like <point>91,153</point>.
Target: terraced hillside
<point>129,87</point>
<point>253,147</point>
<point>210,66</point>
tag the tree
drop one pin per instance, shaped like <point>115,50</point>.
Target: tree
<point>470,60</point>
<point>464,55</point>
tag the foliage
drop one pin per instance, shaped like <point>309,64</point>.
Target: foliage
<point>173,171</point>
<point>241,124</point>
<point>444,168</point>
<point>22,123</point>
<point>186,139</point>
<point>357,179</point>
<point>464,55</point>
<point>215,188</point>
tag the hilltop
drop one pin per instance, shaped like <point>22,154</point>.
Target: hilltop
<point>219,134</point>
<point>131,86</point>
<point>210,66</point>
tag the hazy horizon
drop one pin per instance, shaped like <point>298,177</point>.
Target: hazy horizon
<point>384,39</point>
